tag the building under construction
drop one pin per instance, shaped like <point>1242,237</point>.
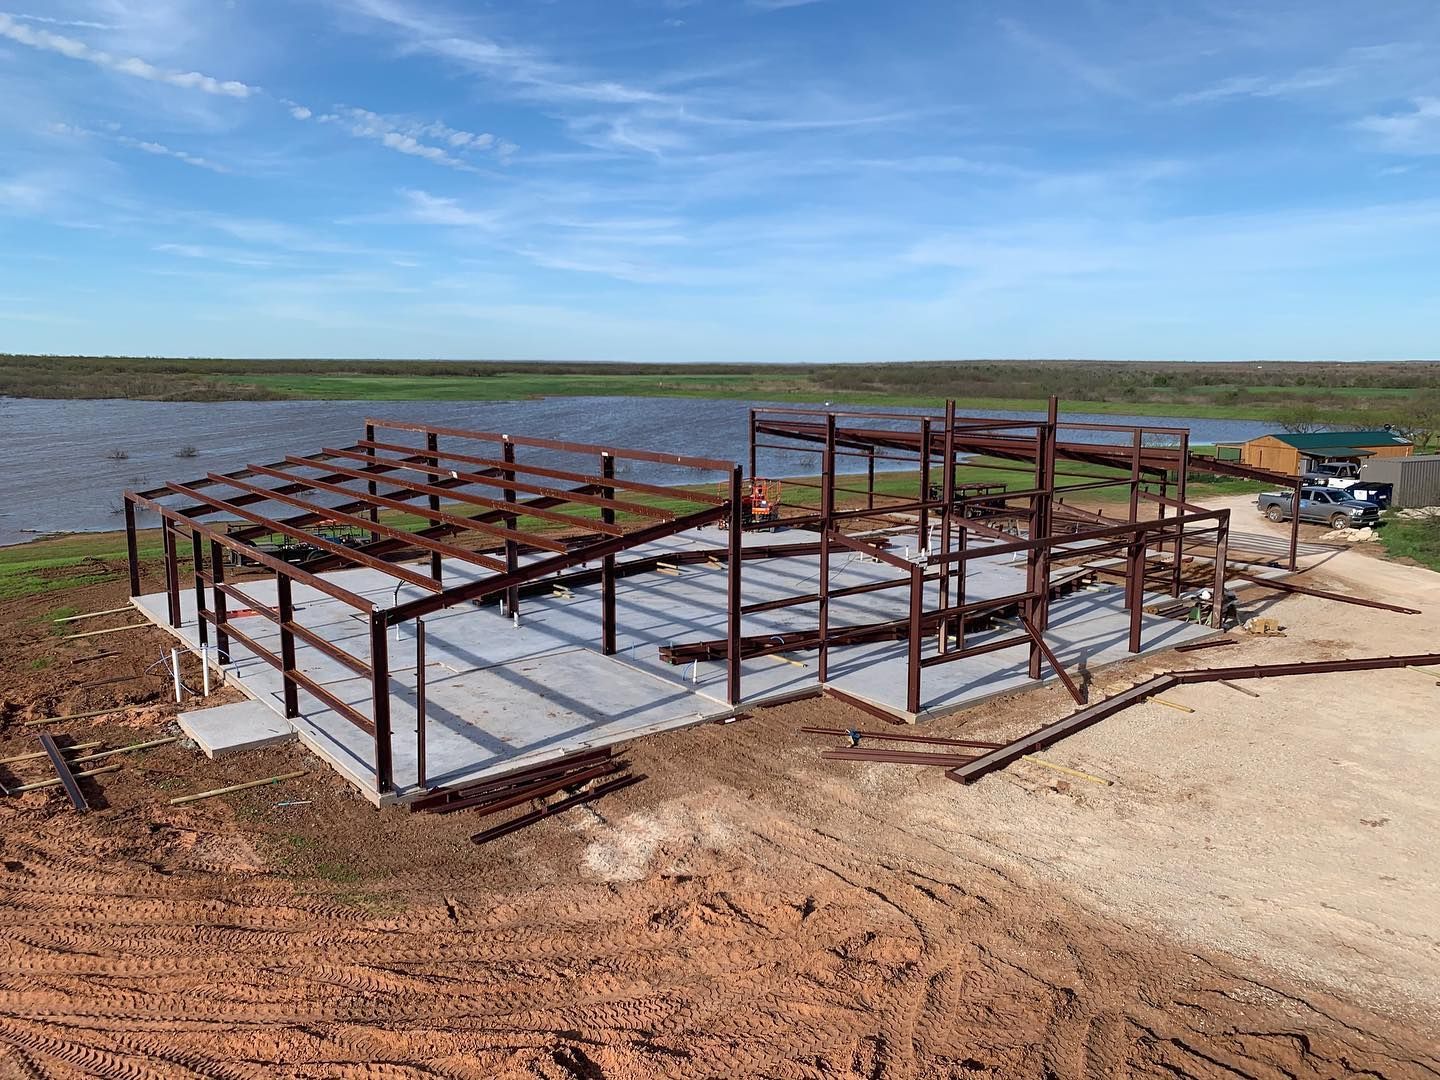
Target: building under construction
<point>431,606</point>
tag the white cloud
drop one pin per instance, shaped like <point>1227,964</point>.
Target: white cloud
<point>82,24</point>
<point>779,5</point>
<point>407,137</point>
<point>1416,131</point>
<point>531,74</point>
<point>1062,56</point>
<point>147,146</point>
<point>133,66</point>
<point>426,209</point>
<point>300,112</point>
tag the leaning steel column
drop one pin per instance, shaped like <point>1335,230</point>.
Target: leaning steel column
<point>132,549</point>
<point>732,622</point>
<point>1222,551</point>
<point>380,701</point>
<point>870,479</point>
<point>827,512</point>
<point>607,565</point>
<point>917,606</point>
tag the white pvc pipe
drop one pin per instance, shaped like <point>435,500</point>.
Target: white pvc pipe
<point>205,667</point>
<point>175,670</point>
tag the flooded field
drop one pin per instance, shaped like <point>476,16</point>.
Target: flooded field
<point>65,470</point>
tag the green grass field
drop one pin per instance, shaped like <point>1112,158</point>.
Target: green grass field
<point>1418,540</point>
<point>1370,394</point>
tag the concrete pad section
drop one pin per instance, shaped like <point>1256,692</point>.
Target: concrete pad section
<point>229,729</point>
<point>502,692</point>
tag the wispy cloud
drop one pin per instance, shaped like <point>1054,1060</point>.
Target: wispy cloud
<point>1354,64</point>
<point>407,137</point>
<point>1414,131</point>
<point>780,5</point>
<point>147,146</point>
<point>526,71</point>
<point>79,24</point>
<point>1091,74</point>
<point>74,49</point>
<point>422,208</point>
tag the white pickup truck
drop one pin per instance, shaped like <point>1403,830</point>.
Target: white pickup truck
<point>1346,476</point>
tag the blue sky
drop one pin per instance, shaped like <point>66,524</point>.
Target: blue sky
<point>747,180</point>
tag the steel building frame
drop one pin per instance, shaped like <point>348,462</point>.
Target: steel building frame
<point>1045,530</point>
<point>417,479</point>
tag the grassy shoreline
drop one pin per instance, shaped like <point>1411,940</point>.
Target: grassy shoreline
<point>1367,394</point>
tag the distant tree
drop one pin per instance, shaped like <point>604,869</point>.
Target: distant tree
<point>1419,419</point>
<point>1300,419</point>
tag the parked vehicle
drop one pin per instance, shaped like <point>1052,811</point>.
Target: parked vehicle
<point>1345,476</point>
<point>1327,506</point>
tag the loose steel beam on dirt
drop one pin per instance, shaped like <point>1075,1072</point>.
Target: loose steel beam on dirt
<point>864,706</point>
<point>898,757</point>
<point>555,808</point>
<point>900,736</point>
<point>1196,646</point>
<point>511,778</point>
<point>63,773</point>
<point>495,801</point>
<point>1287,586</point>
<point>1100,710</point>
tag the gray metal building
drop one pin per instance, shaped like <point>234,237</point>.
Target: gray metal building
<point>1416,479</point>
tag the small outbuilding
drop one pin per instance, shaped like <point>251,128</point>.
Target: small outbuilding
<point>1299,453</point>
<point>1414,480</point>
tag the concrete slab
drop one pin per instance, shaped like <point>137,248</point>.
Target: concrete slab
<point>501,695</point>
<point>229,729</point>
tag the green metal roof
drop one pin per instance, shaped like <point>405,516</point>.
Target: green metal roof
<point>1329,440</point>
<point>1338,451</point>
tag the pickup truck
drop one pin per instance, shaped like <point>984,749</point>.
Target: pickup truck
<point>1328,506</point>
<point>1346,477</point>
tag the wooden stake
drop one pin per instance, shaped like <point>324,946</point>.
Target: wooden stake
<point>1241,689</point>
<point>77,716</point>
<point>236,787</point>
<point>41,753</point>
<point>112,630</point>
<point>126,749</point>
<point>1068,771</point>
<point>1172,704</point>
<point>94,614</point>
<point>52,783</point>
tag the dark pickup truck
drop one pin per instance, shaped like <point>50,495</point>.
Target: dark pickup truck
<point>1327,506</point>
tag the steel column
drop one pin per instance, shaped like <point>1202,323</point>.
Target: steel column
<point>172,573</point>
<point>737,557</point>
<point>1181,476</point>
<point>380,701</point>
<point>218,602</point>
<point>947,494</point>
<point>512,548</point>
<point>1222,543</point>
<point>917,604</point>
<point>432,444</point>
<point>286,607</point>
<point>827,513</point>
<point>371,485</point>
<point>132,550</point>
<point>923,540</point>
<point>607,566</point>
<point>420,704</point>
<point>197,568</point>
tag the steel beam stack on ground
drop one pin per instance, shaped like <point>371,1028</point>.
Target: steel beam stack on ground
<point>491,512</point>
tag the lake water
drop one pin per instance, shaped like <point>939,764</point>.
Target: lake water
<point>58,476</point>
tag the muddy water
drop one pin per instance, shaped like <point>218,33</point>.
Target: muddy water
<point>59,474</point>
